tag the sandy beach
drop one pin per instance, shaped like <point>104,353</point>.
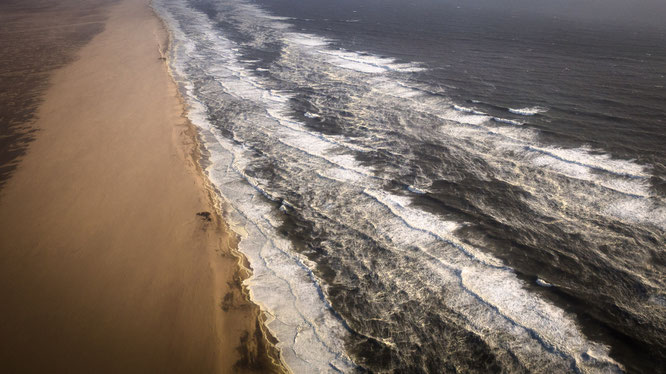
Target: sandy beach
<point>114,258</point>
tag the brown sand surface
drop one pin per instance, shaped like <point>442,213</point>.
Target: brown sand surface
<point>36,37</point>
<point>105,265</point>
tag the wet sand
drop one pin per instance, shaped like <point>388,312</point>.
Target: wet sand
<point>36,37</point>
<point>113,257</point>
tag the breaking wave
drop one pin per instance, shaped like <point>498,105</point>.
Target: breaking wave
<point>355,191</point>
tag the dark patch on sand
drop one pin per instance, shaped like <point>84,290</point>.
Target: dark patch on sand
<point>251,350</point>
<point>206,216</point>
<point>36,37</point>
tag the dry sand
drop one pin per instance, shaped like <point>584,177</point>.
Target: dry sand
<point>105,265</point>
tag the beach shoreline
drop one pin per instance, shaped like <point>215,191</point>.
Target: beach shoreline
<point>259,352</point>
<point>115,256</point>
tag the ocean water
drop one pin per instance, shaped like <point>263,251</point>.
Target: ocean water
<point>434,189</point>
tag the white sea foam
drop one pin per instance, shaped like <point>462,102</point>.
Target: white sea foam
<point>553,326</point>
<point>310,336</point>
<point>366,63</point>
<point>360,66</point>
<point>468,110</point>
<point>420,221</point>
<point>638,211</point>
<point>344,176</point>
<point>416,190</point>
<point>628,196</point>
<point>496,286</point>
<point>529,111</point>
<point>395,89</point>
<point>463,117</point>
<point>586,157</point>
<point>306,40</point>
<point>283,285</point>
<point>507,121</point>
<point>583,163</point>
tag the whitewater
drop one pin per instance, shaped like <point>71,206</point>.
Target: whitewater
<point>378,215</point>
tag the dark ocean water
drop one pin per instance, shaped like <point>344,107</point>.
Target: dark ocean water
<point>427,188</point>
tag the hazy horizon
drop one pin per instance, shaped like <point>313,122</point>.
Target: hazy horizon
<point>644,13</point>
